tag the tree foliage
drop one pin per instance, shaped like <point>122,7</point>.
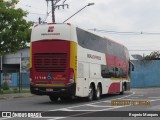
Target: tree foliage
<point>153,56</point>
<point>14,29</point>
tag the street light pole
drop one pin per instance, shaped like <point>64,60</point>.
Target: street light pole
<point>89,4</point>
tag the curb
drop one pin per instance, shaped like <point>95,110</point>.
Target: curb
<point>15,95</point>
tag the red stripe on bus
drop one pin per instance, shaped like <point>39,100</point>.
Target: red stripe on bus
<point>114,87</point>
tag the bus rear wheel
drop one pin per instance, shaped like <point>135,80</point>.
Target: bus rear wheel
<point>123,88</point>
<point>91,93</point>
<point>98,93</point>
<point>53,98</point>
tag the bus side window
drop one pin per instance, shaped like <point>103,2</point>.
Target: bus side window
<point>121,72</point>
<point>117,72</point>
<point>124,74</point>
<point>105,71</point>
<point>108,71</point>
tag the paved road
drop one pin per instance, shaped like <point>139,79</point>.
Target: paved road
<point>134,100</point>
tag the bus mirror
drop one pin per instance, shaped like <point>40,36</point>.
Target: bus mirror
<point>132,65</point>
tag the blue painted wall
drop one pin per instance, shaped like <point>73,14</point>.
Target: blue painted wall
<point>10,78</point>
<point>13,79</point>
<point>25,79</point>
<point>145,74</point>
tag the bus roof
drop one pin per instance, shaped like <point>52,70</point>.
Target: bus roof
<point>60,31</point>
<point>51,31</point>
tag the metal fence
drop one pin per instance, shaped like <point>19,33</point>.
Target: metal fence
<point>15,71</point>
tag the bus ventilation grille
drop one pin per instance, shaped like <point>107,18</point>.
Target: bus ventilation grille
<point>50,62</point>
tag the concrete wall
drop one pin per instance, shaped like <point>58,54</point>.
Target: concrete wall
<point>146,74</point>
<point>15,58</point>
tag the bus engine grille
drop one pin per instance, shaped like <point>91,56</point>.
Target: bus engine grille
<point>50,62</point>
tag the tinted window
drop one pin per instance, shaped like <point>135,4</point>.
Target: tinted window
<point>115,49</point>
<point>91,41</point>
<point>107,71</point>
<point>110,71</point>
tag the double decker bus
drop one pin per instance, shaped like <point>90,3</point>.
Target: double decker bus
<point>67,61</point>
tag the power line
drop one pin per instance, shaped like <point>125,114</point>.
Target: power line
<point>32,7</point>
<point>36,13</point>
<point>27,5</point>
<point>143,50</point>
<point>125,32</point>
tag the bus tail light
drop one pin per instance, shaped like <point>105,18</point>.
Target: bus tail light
<point>71,76</point>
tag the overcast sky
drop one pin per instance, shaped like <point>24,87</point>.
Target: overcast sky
<point>133,16</point>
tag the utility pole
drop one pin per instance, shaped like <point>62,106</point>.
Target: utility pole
<point>53,11</point>
<point>54,6</point>
<point>39,20</point>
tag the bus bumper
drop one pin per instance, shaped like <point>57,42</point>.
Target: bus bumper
<point>57,91</point>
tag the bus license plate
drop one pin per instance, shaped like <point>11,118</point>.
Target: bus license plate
<point>49,89</point>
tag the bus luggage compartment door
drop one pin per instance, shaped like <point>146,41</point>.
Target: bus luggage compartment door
<point>83,79</point>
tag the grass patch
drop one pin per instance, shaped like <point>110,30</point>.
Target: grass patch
<point>14,90</point>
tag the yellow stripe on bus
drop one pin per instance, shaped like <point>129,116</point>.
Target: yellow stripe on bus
<point>116,78</point>
<point>73,58</point>
<point>119,79</point>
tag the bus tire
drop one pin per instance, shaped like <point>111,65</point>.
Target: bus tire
<point>123,88</point>
<point>91,93</point>
<point>53,98</point>
<point>98,93</point>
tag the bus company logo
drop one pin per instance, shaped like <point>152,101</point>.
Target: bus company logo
<point>49,76</point>
<point>51,29</point>
<point>94,57</point>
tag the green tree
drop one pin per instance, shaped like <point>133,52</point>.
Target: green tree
<point>14,29</point>
<point>153,56</point>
